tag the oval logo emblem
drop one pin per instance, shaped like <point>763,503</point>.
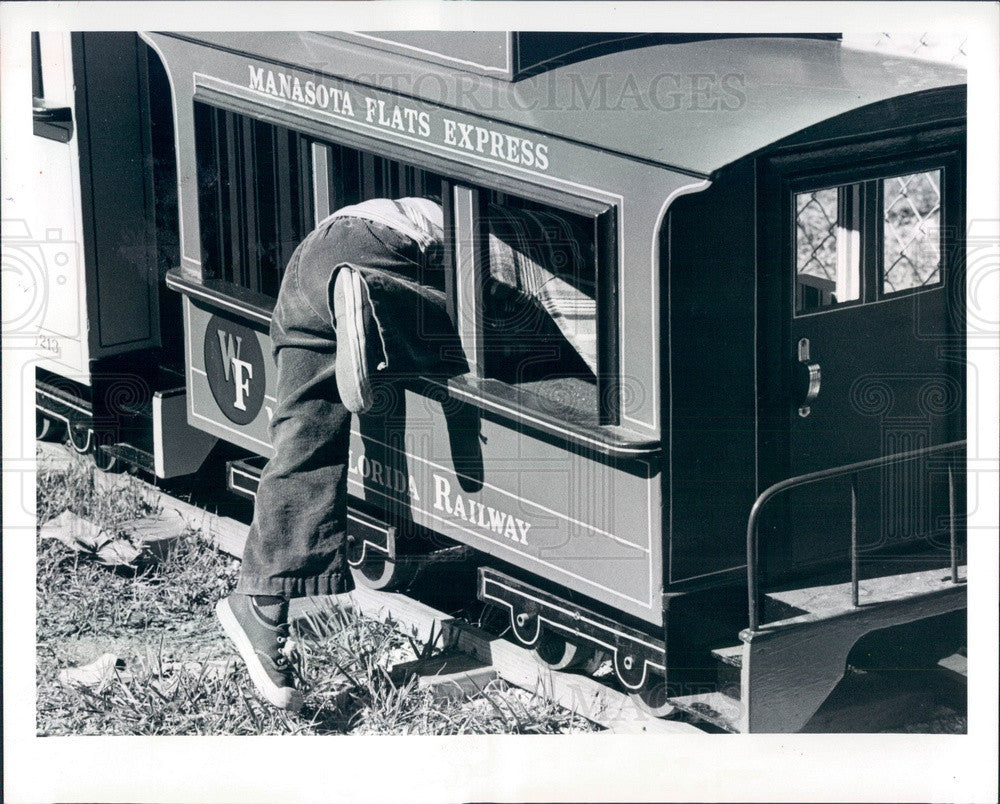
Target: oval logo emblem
<point>235,367</point>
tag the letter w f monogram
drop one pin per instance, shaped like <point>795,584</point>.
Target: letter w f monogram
<point>240,371</point>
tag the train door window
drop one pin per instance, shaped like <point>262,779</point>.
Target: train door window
<point>531,288</point>
<point>911,231</point>
<point>827,248</point>
<point>875,238</point>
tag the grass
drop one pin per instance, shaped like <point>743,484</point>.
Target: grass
<point>180,675</point>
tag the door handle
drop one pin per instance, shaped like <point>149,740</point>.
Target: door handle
<point>813,378</point>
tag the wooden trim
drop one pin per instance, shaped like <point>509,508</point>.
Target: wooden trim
<point>470,267</point>
<point>225,295</point>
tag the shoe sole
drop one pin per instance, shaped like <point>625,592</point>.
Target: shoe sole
<point>281,697</point>
<point>351,367</point>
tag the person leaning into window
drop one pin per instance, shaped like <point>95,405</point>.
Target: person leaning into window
<point>354,300</point>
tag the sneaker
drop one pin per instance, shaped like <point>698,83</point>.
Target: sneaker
<point>260,641</point>
<point>352,309</point>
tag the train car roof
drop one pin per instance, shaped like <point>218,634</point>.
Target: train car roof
<point>693,104</point>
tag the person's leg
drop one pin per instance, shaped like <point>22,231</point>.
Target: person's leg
<point>295,546</point>
<point>297,542</point>
<point>391,315</point>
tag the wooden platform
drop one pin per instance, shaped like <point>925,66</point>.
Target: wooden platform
<point>788,668</point>
<point>816,603</point>
<point>495,657</point>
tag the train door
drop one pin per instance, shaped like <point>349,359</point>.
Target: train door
<point>861,354</point>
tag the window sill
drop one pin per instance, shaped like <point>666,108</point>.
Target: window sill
<point>492,396</point>
<point>232,298</point>
<point>501,400</point>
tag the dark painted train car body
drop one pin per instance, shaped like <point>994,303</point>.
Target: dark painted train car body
<point>739,341</point>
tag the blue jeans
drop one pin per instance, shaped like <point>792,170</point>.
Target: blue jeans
<point>297,544</point>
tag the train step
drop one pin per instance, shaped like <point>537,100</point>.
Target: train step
<point>732,655</point>
<point>728,670</point>
<point>777,677</point>
<point>452,674</point>
<point>243,476</point>
<point>801,606</point>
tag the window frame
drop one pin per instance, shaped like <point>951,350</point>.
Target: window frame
<point>466,263</point>
<point>807,174</point>
<point>608,436</point>
<point>859,200</point>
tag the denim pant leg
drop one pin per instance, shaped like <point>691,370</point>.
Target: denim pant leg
<point>297,542</point>
<point>296,546</point>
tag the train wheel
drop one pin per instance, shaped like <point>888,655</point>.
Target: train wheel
<point>47,429</point>
<point>653,698</point>
<point>557,653</point>
<point>383,574</point>
<point>81,438</point>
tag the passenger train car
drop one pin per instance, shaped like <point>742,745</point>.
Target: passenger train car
<point>765,466</point>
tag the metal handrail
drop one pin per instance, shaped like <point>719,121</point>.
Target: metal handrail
<point>753,579</point>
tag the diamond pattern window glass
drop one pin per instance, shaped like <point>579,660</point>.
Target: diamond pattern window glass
<point>826,248</point>
<point>911,229</point>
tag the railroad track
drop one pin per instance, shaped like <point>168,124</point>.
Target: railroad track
<point>470,657</point>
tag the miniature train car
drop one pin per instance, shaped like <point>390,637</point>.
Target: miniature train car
<point>772,231</point>
<point>109,373</point>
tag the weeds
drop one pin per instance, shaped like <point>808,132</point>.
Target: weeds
<point>182,677</point>
<point>72,487</point>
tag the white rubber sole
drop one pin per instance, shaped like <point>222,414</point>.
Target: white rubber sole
<point>352,373</point>
<point>281,697</point>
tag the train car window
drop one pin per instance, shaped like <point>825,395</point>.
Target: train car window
<point>526,293</point>
<point>827,248</point>
<point>898,216</point>
<point>255,197</point>
<point>262,187</point>
<point>911,231</point>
